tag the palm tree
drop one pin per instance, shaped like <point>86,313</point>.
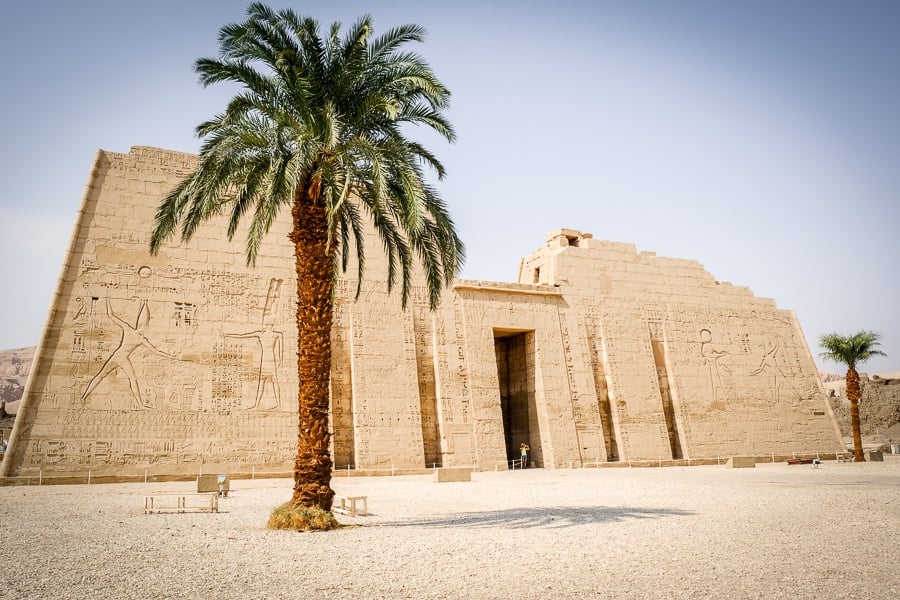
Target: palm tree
<point>319,127</point>
<point>850,351</point>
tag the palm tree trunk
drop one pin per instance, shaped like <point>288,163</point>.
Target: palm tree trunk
<point>314,263</point>
<point>853,396</point>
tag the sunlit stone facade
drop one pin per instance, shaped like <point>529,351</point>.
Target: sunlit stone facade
<point>185,362</point>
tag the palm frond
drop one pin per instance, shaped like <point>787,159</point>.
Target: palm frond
<point>323,119</point>
<point>394,38</point>
<point>851,350</point>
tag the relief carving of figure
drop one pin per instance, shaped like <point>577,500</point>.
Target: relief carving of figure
<point>712,359</point>
<point>271,343</point>
<point>769,367</point>
<point>120,360</point>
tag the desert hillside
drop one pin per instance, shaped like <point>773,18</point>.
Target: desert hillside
<point>14,367</point>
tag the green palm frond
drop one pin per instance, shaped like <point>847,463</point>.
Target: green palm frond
<point>394,38</point>
<point>851,350</point>
<point>352,224</point>
<point>323,120</point>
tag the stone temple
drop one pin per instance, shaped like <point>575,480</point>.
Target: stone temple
<point>182,363</point>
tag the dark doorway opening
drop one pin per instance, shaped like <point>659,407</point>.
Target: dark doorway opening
<point>515,371</point>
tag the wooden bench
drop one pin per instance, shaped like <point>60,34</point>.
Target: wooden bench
<point>347,505</point>
<point>844,456</point>
<point>181,503</point>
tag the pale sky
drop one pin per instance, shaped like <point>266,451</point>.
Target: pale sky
<point>760,138</point>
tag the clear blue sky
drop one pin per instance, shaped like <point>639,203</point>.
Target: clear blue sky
<point>760,138</point>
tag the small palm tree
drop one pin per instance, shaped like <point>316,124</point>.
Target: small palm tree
<point>319,128</point>
<point>851,351</point>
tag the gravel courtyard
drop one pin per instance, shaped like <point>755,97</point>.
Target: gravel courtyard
<point>776,531</point>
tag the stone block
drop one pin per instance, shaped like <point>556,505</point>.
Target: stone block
<point>874,456</point>
<point>741,462</point>
<point>446,474</point>
<point>213,482</point>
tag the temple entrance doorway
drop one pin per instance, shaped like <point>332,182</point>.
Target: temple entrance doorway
<point>515,354</point>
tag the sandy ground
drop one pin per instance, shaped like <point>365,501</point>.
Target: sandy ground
<point>776,531</point>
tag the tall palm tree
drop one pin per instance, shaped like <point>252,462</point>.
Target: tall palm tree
<point>319,127</point>
<point>851,351</point>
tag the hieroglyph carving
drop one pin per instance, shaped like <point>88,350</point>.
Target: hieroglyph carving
<point>717,368</point>
<point>271,345</point>
<point>132,338</point>
<point>183,361</point>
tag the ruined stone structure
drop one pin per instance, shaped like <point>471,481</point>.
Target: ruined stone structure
<point>879,405</point>
<point>184,361</point>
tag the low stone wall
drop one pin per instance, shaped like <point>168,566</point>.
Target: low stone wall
<point>452,474</point>
<point>741,462</point>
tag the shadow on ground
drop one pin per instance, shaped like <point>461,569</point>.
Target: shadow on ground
<point>552,517</point>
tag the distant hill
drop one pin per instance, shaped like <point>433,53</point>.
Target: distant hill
<point>16,362</point>
<point>15,365</point>
<point>830,377</point>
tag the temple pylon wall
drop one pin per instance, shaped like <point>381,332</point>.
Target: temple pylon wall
<point>185,361</point>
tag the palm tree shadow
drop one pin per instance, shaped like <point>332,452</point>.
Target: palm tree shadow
<point>544,517</point>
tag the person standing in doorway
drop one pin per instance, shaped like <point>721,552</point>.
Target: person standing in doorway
<point>523,450</point>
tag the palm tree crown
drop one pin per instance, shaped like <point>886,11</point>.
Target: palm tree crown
<point>851,350</point>
<point>324,118</point>
<point>319,127</point>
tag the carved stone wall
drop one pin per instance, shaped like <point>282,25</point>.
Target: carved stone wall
<point>693,366</point>
<point>160,363</point>
<point>186,361</point>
